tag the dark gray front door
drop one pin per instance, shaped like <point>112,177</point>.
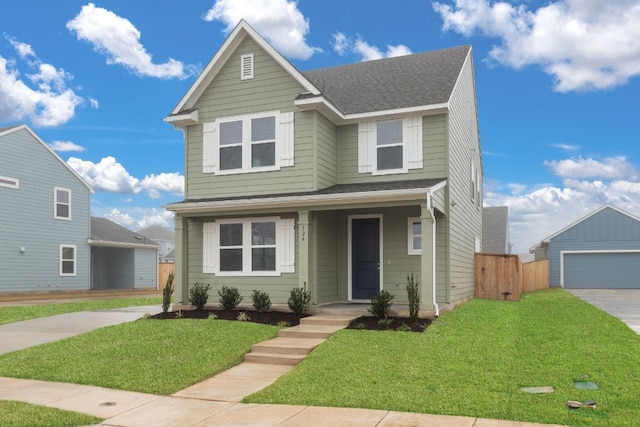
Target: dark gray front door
<point>365,257</point>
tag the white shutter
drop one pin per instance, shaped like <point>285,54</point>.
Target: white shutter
<point>285,138</point>
<point>412,136</point>
<point>209,247</point>
<point>209,147</point>
<point>366,145</point>
<point>286,245</point>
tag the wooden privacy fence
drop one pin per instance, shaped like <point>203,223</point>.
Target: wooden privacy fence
<point>164,268</point>
<point>506,277</point>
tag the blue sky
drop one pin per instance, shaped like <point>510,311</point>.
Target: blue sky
<point>557,82</point>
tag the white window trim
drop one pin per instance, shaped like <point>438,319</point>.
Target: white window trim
<point>284,143</point>
<point>75,259</point>
<point>55,203</point>
<point>285,247</point>
<point>247,67</point>
<point>7,182</point>
<point>412,154</point>
<point>410,249</point>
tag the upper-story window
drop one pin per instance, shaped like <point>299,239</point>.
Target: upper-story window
<point>252,143</point>
<point>390,146</point>
<point>62,203</point>
<point>9,182</point>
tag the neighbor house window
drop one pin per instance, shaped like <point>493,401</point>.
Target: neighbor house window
<point>252,143</point>
<point>62,205</point>
<point>390,146</point>
<point>249,246</point>
<point>9,182</point>
<point>67,260</point>
<point>414,236</point>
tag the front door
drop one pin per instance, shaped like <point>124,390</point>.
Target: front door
<point>365,257</point>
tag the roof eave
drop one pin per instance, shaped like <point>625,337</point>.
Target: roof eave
<point>181,120</point>
<point>107,244</point>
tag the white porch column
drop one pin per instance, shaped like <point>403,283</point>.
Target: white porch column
<point>304,234</point>
<point>181,293</point>
<point>427,259</point>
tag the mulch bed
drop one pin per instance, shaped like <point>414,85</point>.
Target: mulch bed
<point>265,317</point>
<point>395,323</point>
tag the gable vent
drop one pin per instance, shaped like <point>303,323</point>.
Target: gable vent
<point>246,67</point>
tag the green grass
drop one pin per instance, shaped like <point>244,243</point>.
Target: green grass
<point>151,356</point>
<point>19,414</point>
<point>26,312</point>
<point>472,362</point>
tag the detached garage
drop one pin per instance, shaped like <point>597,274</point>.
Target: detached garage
<point>601,250</point>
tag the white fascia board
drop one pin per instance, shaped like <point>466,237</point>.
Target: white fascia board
<point>105,244</point>
<point>182,120</point>
<point>300,201</point>
<point>222,55</point>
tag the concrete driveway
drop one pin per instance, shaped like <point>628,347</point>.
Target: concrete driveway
<point>621,303</point>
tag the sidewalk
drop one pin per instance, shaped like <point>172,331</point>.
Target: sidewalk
<point>213,402</point>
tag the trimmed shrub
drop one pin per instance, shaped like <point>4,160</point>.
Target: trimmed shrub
<point>299,301</point>
<point>167,292</point>
<point>413,293</point>
<point>199,295</point>
<point>229,297</point>
<point>261,300</point>
<point>381,304</point>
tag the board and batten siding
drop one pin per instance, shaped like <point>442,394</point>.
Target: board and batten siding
<point>28,219</point>
<point>607,230</point>
<point>146,268</point>
<point>433,146</point>
<point>278,287</point>
<point>464,214</point>
<point>272,89</point>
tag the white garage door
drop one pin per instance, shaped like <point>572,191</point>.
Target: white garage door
<point>602,270</point>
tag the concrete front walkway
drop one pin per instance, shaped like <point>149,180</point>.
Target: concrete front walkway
<point>621,303</point>
<point>213,402</point>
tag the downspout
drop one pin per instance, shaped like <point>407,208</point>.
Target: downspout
<point>433,252</point>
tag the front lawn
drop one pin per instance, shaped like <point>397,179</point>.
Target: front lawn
<point>473,360</point>
<point>19,414</point>
<point>150,356</point>
<point>25,312</point>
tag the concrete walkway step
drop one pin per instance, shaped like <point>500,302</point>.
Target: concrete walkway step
<point>283,345</point>
<point>327,320</point>
<point>274,358</point>
<point>309,331</point>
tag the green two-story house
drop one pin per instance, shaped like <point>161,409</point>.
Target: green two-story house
<point>341,180</point>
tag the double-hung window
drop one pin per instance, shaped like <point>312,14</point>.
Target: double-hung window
<point>414,236</point>
<point>252,143</point>
<point>62,203</point>
<point>67,260</point>
<point>249,247</point>
<point>390,146</point>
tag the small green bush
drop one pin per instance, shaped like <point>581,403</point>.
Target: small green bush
<point>381,304</point>
<point>413,293</point>
<point>167,292</point>
<point>261,300</point>
<point>243,317</point>
<point>283,324</point>
<point>299,301</point>
<point>229,297</point>
<point>404,328</point>
<point>199,295</point>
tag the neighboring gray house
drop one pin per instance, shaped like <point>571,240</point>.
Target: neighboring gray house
<point>601,250</point>
<point>342,180</point>
<point>495,230</point>
<point>44,221</point>
<point>120,258</point>
<point>164,237</point>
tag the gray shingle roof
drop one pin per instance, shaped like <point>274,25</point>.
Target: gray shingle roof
<point>407,81</point>
<point>156,232</point>
<point>104,230</point>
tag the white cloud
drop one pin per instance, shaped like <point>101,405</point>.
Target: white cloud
<point>94,103</point>
<point>609,168</point>
<point>343,44</point>
<point>279,21</point>
<point>170,182</point>
<point>43,98</point>
<point>567,147</point>
<point>107,175</point>
<point>119,39</point>
<point>136,218</point>
<point>118,217</point>
<point>583,44</point>
<point>64,146</point>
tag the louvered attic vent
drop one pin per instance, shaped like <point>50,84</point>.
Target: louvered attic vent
<point>246,67</point>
